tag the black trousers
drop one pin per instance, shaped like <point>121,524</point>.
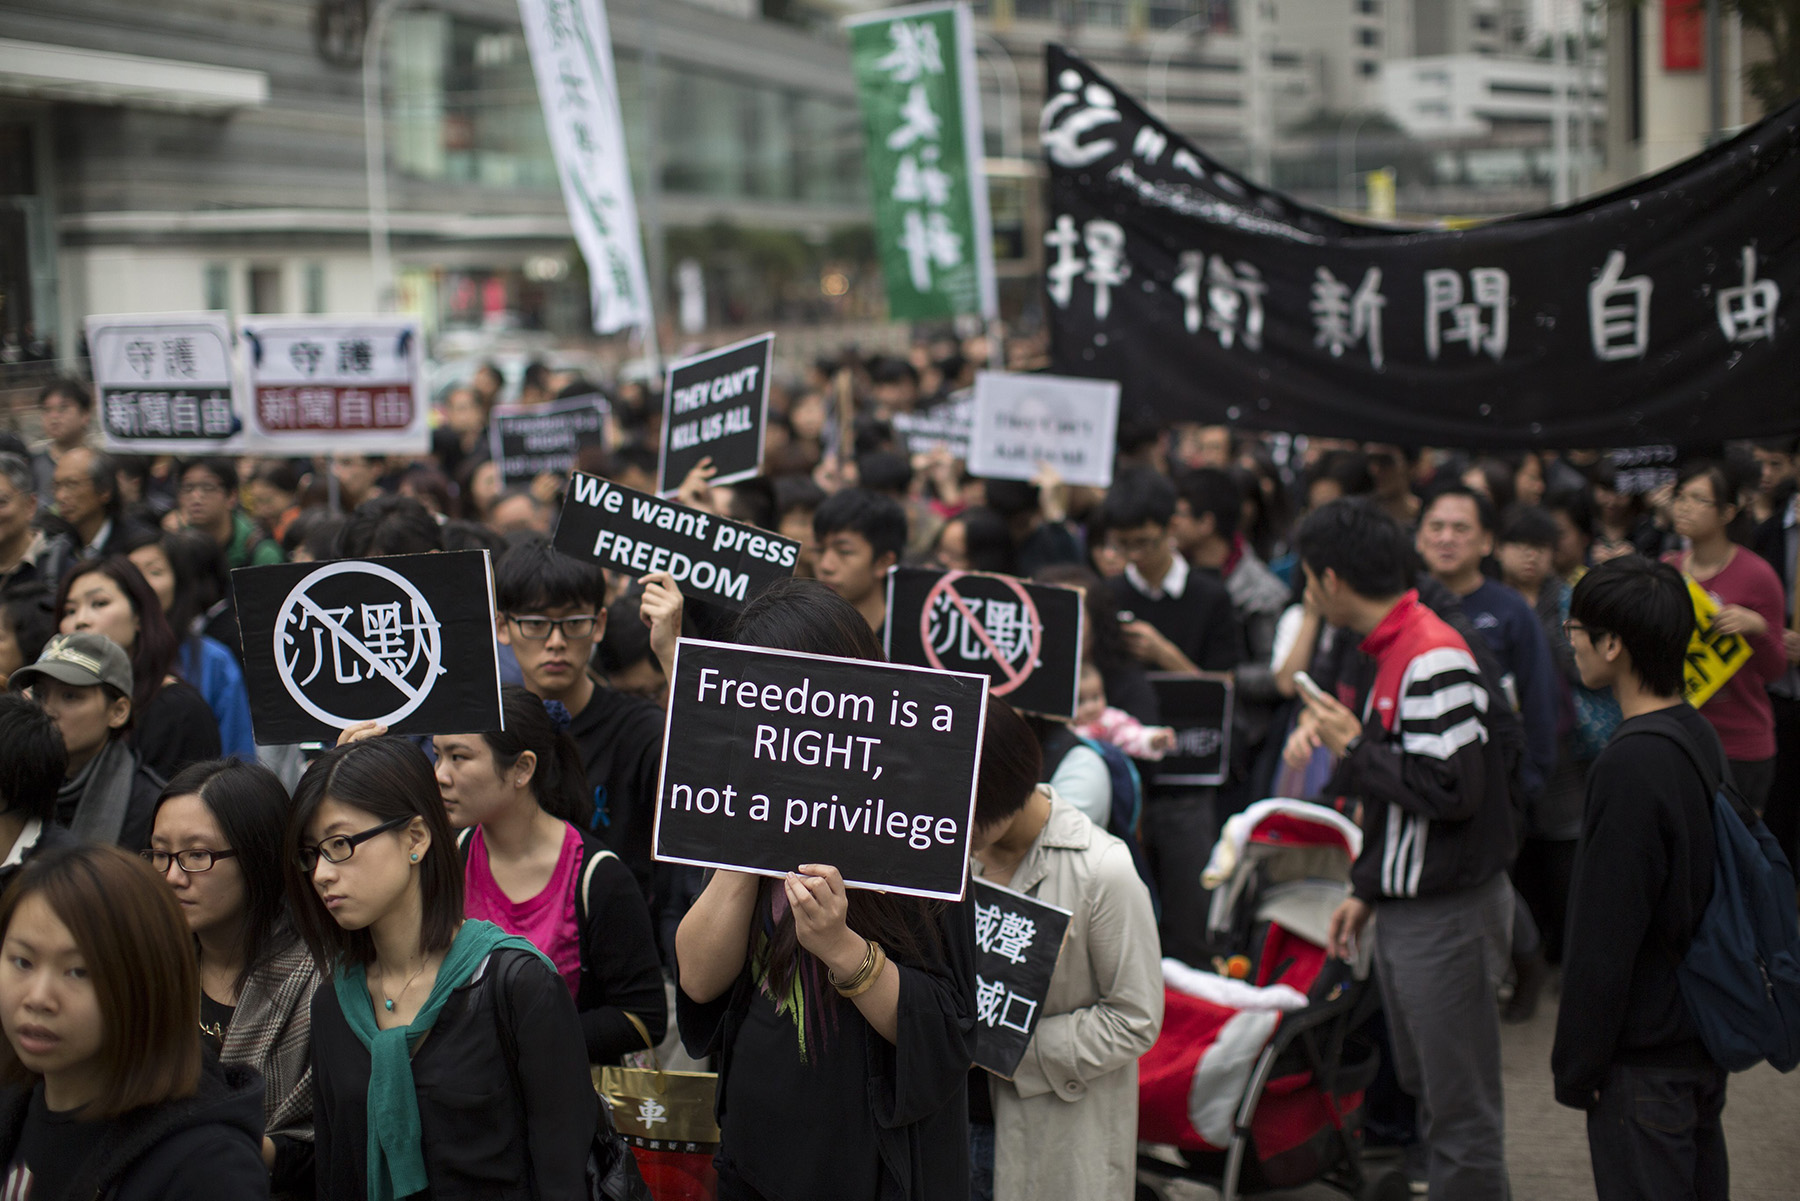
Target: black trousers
<point>1655,1135</point>
<point>1179,829</point>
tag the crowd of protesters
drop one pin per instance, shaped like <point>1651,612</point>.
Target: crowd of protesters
<point>386,967</point>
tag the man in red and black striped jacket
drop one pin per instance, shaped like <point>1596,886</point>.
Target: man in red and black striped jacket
<point>1414,759</point>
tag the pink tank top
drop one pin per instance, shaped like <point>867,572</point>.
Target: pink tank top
<point>547,920</point>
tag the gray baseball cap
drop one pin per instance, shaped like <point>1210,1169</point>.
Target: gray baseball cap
<point>83,660</point>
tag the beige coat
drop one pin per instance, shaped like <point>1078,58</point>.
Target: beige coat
<point>1065,1127</point>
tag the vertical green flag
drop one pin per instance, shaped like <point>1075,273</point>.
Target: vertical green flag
<point>915,77</point>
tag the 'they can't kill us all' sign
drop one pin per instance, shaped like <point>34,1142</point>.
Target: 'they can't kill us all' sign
<point>774,758</point>
<point>715,406</point>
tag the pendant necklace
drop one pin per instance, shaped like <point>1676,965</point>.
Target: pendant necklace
<point>389,1001</point>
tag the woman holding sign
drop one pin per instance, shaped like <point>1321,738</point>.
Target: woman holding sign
<point>1750,595</point>
<point>1065,1125</point>
<point>447,1055</point>
<point>844,1020</point>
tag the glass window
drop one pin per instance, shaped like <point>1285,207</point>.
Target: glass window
<point>1368,37</point>
<point>315,287</point>
<point>265,290</point>
<point>217,285</point>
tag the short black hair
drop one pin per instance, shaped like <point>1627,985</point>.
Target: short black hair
<point>1011,498</point>
<point>891,370</point>
<point>316,530</point>
<point>472,535</point>
<point>390,525</point>
<point>878,518</point>
<point>633,456</point>
<point>797,493</point>
<point>221,469</point>
<point>626,642</point>
<point>534,575</point>
<point>29,610</point>
<point>1011,767</point>
<point>1212,490</point>
<point>1645,604</point>
<point>884,471</point>
<point>35,761</point>
<point>1484,508</point>
<point>1362,544</point>
<point>1138,496</point>
<point>1529,525</point>
<point>1577,502</point>
<point>281,474</point>
<point>70,387</point>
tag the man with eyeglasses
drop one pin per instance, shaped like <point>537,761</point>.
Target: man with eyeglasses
<point>208,503</point>
<point>552,610</point>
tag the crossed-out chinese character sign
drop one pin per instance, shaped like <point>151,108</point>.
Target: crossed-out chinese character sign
<point>405,640</point>
<point>165,382</point>
<point>916,82</point>
<point>324,385</point>
<point>1017,940</point>
<point>361,660</point>
<point>1653,314</point>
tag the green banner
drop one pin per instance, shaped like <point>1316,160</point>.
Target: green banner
<point>915,77</point>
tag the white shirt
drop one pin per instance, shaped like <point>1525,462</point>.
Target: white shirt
<point>1173,584</point>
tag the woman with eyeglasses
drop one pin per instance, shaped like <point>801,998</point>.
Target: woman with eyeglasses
<point>217,840</point>
<point>447,1054</point>
<point>1752,604</point>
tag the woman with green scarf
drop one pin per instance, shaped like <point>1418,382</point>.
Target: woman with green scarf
<point>447,1056</point>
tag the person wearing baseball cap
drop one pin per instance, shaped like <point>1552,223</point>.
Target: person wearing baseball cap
<point>84,682</point>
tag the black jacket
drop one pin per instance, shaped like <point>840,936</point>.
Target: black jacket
<point>500,1122</point>
<point>1643,877</point>
<point>620,971</point>
<point>207,1147</point>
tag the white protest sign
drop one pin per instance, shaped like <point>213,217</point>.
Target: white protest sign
<point>164,383</point>
<point>343,385</point>
<point>571,55</point>
<point>1022,421</point>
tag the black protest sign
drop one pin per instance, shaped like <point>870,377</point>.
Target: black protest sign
<point>1026,638</point>
<point>406,640</point>
<point>726,563</point>
<point>1199,710</point>
<point>1017,941</point>
<point>772,759</point>
<point>715,406</point>
<point>943,427</point>
<point>526,442</point>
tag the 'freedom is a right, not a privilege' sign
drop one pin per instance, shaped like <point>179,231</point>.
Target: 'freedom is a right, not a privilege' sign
<point>725,563</point>
<point>773,758</point>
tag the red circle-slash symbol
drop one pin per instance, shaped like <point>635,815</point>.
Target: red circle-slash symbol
<point>946,586</point>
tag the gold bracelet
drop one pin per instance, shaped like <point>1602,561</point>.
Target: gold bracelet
<point>858,987</point>
<point>861,972</point>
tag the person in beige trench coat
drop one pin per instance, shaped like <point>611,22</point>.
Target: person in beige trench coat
<point>1065,1126</point>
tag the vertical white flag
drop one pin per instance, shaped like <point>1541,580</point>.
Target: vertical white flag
<point>571,54</point>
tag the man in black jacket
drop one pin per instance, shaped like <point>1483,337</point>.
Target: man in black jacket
<point>1627,1050</point>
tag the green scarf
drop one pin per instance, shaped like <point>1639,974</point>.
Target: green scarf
<point>396,1165</point>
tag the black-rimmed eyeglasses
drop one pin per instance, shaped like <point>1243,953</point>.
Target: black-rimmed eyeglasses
<point>342,846</point>
<point>193,861</point>
<point>537,629</point>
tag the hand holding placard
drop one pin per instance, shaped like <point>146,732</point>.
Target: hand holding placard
<point>772,758</point>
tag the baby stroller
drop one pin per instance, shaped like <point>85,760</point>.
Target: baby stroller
<point>1257,1082</point>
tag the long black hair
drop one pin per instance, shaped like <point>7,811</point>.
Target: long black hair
<point>386,778</point>
<point>806,616</point>
<point>560,782</point>
<point>250,805</point>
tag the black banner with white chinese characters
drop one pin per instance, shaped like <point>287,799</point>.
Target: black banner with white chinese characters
<point>715,406</point>
<point>772,759</point>
<point>405,640</point>
<point>525,443</point>
<point>1017,941</point>
<point>722,562</point>
<point>1026,638</point>
<point>1199,709</point>
<point>1657,312</point>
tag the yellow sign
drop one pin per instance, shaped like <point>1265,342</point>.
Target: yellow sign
<point>1712,658</point>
